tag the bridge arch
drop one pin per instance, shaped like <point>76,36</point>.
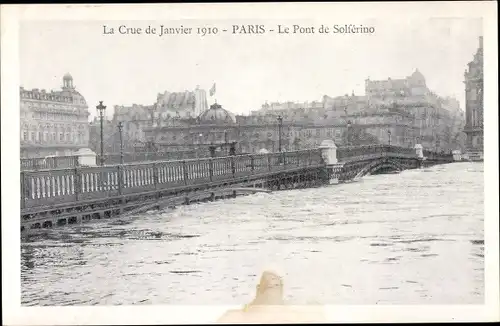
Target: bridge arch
<point>378,165</point>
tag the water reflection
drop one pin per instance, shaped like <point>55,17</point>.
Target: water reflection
<point>409,238</point>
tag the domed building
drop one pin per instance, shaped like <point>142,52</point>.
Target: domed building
<point>216,114</point>
<point>214,126</point>
<point>53,123</point>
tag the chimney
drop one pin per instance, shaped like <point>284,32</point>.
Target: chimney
<point>480,42</point>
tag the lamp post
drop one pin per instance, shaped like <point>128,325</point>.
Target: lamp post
<point>280,121</point>
<point>347,132</point>
<point>120,129</point>
<point>348,125</point>
<point>226,142</point>
<point>101,108</point>
<point>389,133</point>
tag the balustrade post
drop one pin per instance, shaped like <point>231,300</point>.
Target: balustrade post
<point>252,163</point>
<point>23,191</point>
<point>155,175</point>
<point>119,169</point>
<point>269,162</point>
<point>283,159</point>
<point>34,163</point>
<point>77,183</point>
<point>184,172</point>
<point>233,168</point>
<point>211,168</point>
<point>55,162</point>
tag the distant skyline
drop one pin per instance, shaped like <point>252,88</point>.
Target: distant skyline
<point>248,69</point>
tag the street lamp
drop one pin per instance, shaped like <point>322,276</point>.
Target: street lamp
<point>120,129</point>
<point>347,132</point>
<point>348,125</point>
<point>389,133</point>
<point>226,149</point>
<point>199,148</point>
<point>101,108</point>
<point>280,122</point>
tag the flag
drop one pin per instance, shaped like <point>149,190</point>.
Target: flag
<point>212,90</point>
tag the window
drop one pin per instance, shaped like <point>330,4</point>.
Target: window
<point>45,136</point>
<point>33,137</point>
<point>39,136</point>
<point>25,135</point>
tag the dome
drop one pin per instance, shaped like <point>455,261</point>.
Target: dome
<point>216,114</point>
<point>417,75</point>
<point>67,76</point>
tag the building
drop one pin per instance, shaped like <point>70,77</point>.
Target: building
<point>474,104</point>
<point>53,123</point>
<point>110,137</point>
<point>171,109</point>
<point>181,104</point>
<point>400,112</point>
<point>409,87</point>
<point>133,118</point>
<point>251,134</point>
<point>420,115</point>
<point>278,108</point>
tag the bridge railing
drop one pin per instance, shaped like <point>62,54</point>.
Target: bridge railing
<point>115,158</point>
<point>351,152</point>
<point>54,162</point>
<point>55,186</point>
<point>436,156</point>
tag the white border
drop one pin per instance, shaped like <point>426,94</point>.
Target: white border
<point>12,14</point>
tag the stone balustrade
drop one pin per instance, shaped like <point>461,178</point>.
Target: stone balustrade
<point>53,162</point>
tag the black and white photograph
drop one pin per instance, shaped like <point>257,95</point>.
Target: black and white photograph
<point>270,159</point>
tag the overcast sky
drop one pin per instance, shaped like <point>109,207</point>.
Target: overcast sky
<point>248,69</point>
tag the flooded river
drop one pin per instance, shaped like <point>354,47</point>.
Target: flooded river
<point>410,238</point>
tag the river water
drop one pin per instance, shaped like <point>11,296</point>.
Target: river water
<point>411,238</point>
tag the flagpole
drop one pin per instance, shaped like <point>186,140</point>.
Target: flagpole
<point>212,92</point>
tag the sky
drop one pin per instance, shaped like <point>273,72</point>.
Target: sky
<point>248,69</point>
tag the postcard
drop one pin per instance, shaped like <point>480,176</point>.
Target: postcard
<point>250,162</point>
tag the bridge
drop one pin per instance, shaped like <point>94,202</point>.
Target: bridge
<point>56,197</point>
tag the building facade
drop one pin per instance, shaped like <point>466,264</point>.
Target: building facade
<point>474,102</point>
<point>53,123</point>
<point>171,109</point>
<point>400,112</point>
<point>187,104</point>
<point>428,119</point>
<point>252,134</point>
